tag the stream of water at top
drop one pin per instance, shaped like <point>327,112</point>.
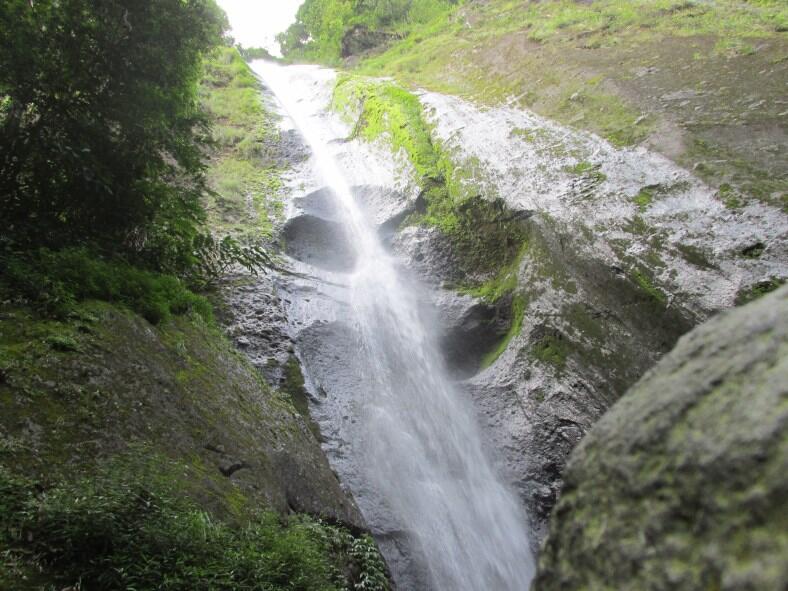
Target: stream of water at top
<point>420,447</point>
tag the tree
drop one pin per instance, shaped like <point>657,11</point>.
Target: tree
<point>101,133</point>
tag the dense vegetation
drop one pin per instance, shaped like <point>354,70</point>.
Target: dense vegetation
<point>323,26</point>
<point>103,138</point>
<point>129,527</point>
<point>245,165</point>
<point>128,131</point>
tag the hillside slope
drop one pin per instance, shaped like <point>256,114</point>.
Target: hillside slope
<point>139,447</point>
<point>700,82</point>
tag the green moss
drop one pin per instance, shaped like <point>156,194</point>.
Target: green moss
<point>485,235</point>
<point>645,197</point>
<point>754,251</point>
<point>552,349</point>
<point>518,313</point>
<point>648,288</point>
<point>606,114</point>
<point>729,197</point>
<point>695,256</point>
<point>245,172</point>
<point>294,387</point>
<point>588,170</point>
<point>589,326</point>
<point>637,225</point>
<point>758,290</point>
<point>381,108</point>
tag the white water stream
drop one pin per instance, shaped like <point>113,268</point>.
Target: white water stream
<point>418,445</point>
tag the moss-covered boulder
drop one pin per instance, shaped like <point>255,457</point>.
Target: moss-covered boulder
<point>77,392</point>
<point>684,483</point>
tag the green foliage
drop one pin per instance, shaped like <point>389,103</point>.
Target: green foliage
<point>245,170</point>
<point>54,281</point>
<point>552,349</point>
<point>101,134</point>
<point>485,234</point>
<point>216,257</point>
<point>254,53</point>
<point>321,25</point>
<point>128,528</point>
<point>644,198</point>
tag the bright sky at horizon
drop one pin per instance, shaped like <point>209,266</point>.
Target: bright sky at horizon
<point>255,23</point>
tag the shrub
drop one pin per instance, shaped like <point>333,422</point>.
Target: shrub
<point>126,528</point>
<point>55,280</point>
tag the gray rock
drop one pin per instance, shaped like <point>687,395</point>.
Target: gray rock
<point>683,484</point>
<point>319,242</point>
<point>469,328</point>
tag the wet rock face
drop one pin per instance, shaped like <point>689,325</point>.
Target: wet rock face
<point>318,242</point>
<point>470,328</point>
<point>682,484</point>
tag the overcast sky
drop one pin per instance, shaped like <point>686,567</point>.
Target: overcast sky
<point>255,23</point>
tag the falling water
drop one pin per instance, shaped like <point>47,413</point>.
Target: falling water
<point>419,446</point>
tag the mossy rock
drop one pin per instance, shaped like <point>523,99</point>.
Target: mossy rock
<point>681,485</point>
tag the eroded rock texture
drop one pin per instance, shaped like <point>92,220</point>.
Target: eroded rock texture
<point>683,484</point>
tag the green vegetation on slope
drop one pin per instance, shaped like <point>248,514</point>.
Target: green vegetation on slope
<point>326,30</point>
<point>128,527</point>
<point>698,81</point>
<point>144,453</point>
<point>148,457</point>
<point>245,171</point>
<point>485,235</point>
<point>103,138</point>
<point>56,281</point>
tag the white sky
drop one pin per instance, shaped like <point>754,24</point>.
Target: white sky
<point>255,23</point>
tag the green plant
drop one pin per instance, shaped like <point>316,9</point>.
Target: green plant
<point>63,343</point>
<point>56,280</point>
<point>100,144</point>
<point>552,349</point>
<point>126,527</point>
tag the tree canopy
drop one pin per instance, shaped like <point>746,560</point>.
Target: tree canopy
<point>101,131</point>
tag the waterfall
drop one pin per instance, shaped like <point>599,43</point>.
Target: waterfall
<point>418,442</point>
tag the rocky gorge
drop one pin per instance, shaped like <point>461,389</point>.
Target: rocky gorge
<point>616,253</point>
<point>520,320</point>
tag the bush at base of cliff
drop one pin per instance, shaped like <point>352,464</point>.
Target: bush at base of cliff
<point>54,281</point>
<point>128,528</point>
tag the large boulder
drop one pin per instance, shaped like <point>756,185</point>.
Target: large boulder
<point>683,484</point>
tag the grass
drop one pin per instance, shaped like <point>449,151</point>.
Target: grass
<point>127,527</point>
<point>578,63</point>
<point>55,281</point>
<point>245,170</point>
